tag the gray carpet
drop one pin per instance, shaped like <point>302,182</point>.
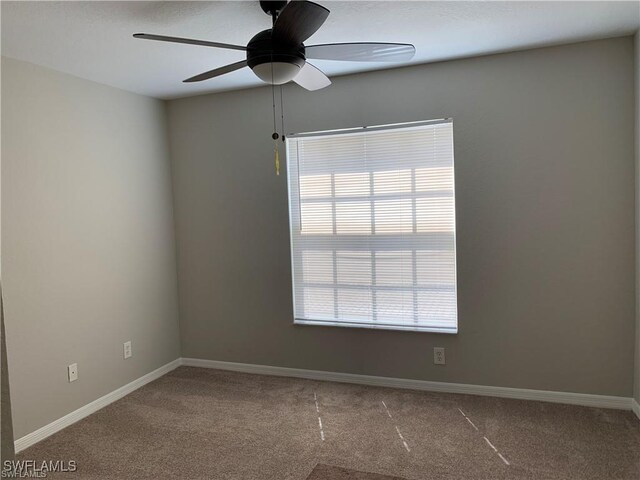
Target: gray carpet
<point>210,424</point>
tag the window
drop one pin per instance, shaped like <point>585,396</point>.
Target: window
<point>373,227</point>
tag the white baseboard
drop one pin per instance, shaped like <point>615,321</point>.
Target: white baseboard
<point>635,406</point>
<point>589,400</point>
<point>82,412</point>
<point>602,401</point>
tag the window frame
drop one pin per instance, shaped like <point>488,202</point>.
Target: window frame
<point>296,222</point>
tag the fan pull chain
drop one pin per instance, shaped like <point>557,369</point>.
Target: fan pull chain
<point>275,136</point>
<point>282,113</point>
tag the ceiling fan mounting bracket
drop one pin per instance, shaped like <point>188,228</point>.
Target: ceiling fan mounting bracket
<point>272,8</point>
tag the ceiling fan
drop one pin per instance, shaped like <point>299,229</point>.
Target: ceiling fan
<point>278,55</point>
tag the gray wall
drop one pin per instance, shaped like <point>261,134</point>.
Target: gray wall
<point>637,365</point>
<point>544,152</point>
<point>6,422</point>
<point>87,240</point>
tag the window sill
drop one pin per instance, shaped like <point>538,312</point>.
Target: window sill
<point>369,326</point>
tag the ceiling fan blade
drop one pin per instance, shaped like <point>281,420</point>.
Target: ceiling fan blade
<point>298,21</point>
<point>311,78</point>
<point>216,72</point>
<point>362,52</point>
<point>204,43</point>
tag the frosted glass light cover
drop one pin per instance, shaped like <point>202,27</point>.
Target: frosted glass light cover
<point>282,72</point>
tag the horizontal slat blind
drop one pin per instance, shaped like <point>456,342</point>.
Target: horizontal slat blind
<point>373,227</point>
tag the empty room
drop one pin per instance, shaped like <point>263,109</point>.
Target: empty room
<point>333,240</point>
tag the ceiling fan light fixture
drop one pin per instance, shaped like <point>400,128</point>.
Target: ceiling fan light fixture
<point>278,55</point>
<point>280,73</point>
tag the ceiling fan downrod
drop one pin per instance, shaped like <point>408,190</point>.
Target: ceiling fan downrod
<point>273,9</point>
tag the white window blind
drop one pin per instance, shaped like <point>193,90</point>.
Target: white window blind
<point>373,227</point>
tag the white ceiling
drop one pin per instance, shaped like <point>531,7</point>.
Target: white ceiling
<point>93,40</point>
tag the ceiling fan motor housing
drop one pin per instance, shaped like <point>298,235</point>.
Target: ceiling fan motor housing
<point>262,49</point>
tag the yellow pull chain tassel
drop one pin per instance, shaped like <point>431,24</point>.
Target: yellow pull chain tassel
<point>276,157</point>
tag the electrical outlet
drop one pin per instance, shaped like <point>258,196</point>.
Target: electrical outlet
<point>438,356</point>
<point>73,372</point>
<point>127,349</point>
